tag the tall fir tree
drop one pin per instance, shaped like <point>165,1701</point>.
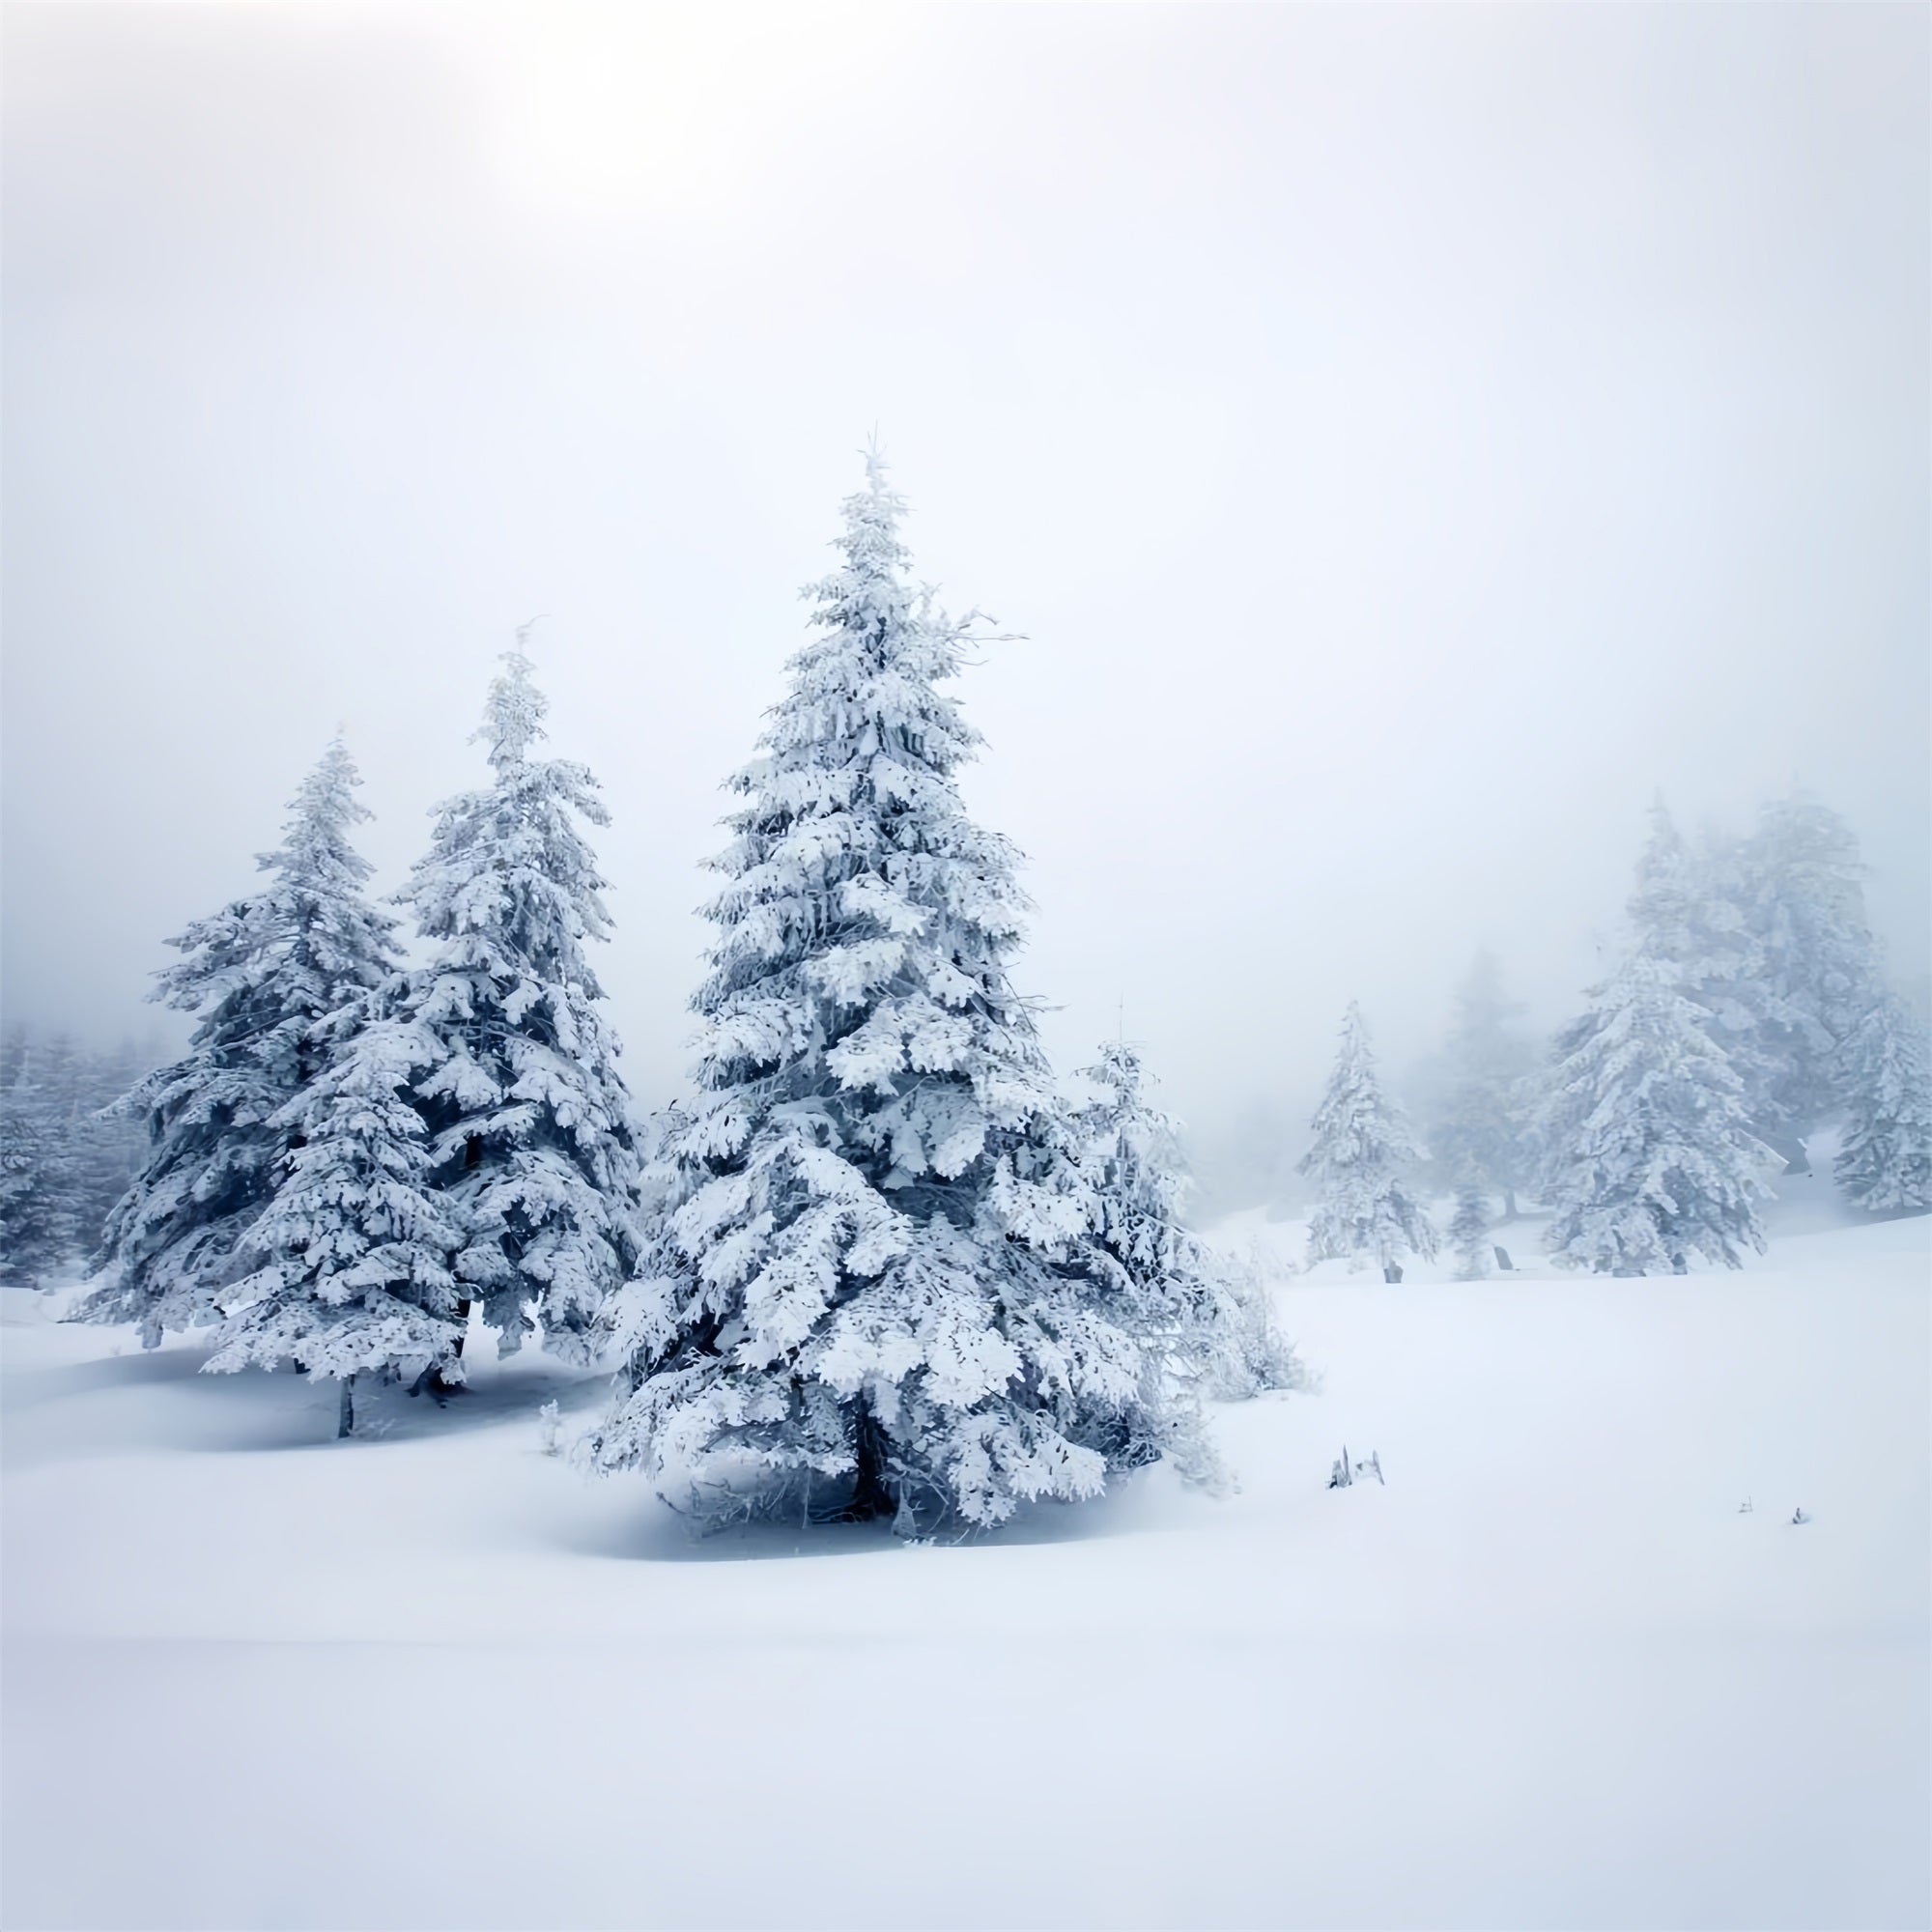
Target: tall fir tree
<point>876,1287</point>
<point>260,976</point>
<point>530,1137</point>
<point>1359,1162</point>
<point>1884,1162</point>
<point>349,1265</point>
<point>1650,1160</point>
<point>1479,1129</point>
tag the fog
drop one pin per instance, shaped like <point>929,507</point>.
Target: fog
<point>1401,440</point>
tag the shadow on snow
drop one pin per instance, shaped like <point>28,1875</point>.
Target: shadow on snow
<point>656,1533</point>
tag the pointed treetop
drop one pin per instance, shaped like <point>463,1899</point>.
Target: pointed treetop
<point>1355,1070</point>
<point>1663,903</point>
<point>513,713</point>
<point>325,795</point>
<point>870,539</point>
<point>315,843</point>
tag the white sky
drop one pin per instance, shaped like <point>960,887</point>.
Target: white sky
<point>1407,437</point>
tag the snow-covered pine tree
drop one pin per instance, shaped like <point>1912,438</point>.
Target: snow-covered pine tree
<point>1359,1163</point>
<point>260,975</point>
<point>349,1265</point>
<point>1650,1160</point>
<point>876,1289</point>
<point>1470,1231</point>
<point>1797,880</point>
<point>1884,1162</point>
<point>1479,1128</point>
<point>531,1141</point>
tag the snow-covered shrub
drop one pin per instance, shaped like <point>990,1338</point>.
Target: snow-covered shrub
<point>1253,1356</point>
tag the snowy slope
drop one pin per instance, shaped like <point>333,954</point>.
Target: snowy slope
<point>1548,1677</point>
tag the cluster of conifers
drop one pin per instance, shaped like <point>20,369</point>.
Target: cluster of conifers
<point>883,1263</point>
<point>1746,1009</point>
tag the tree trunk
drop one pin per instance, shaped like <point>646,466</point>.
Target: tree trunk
<point>440,1386</point>
<point>345,1415</point>
<point>870,1498</point>
<point>1508,1204</point>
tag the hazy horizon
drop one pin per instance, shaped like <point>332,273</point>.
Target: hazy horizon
<point>1404,441</point>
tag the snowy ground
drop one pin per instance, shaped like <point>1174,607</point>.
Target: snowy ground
<point>1548,1677</point>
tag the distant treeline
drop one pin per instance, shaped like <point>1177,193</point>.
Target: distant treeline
<point>69,1148</point>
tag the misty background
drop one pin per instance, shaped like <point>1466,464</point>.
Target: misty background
<point>1405,438</point>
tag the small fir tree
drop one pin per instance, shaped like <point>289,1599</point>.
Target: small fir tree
<point>876,1287</point>
<point>1470,1231</point>
<point>1884,1163</point>
<point>530,1138</point>
<point>261,975</point>
<point>1359,1161</point>
<point>1650,1160</point>
<point>349,1266</point>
